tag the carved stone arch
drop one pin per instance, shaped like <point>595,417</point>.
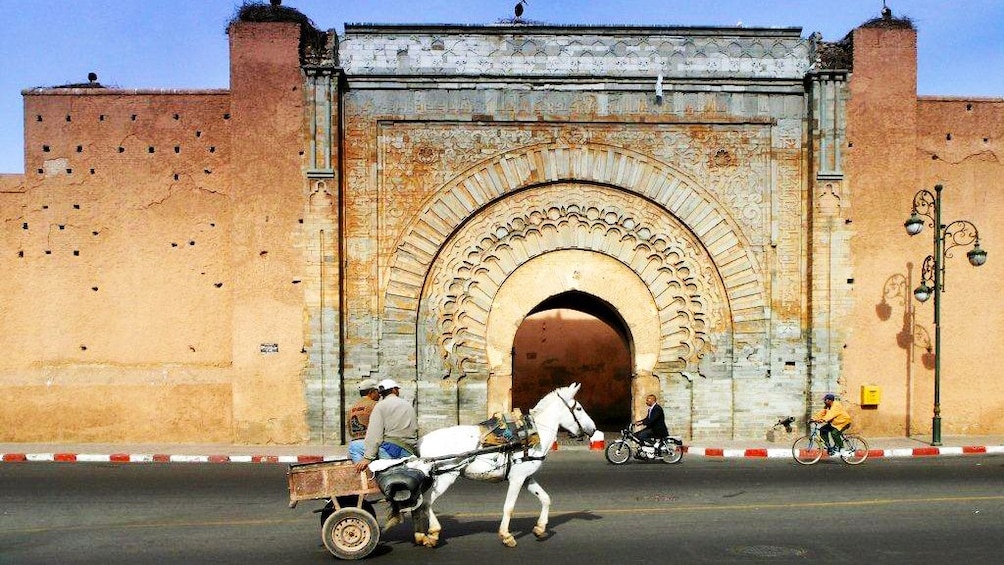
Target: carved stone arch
<point>629,250</point>
<point>668,194</point>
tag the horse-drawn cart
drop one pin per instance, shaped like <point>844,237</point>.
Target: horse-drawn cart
<point>349,526</point>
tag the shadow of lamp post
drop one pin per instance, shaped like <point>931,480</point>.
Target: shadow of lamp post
<point>932,275</point>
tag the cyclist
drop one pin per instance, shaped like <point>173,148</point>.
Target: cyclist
<point>835,420</point>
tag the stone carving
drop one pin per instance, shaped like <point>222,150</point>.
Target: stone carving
<point>472,265</point>
<point>778,54</point>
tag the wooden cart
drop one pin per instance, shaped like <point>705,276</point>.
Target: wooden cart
<point>349,527</point>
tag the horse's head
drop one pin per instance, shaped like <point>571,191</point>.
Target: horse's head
<point>573,416</point>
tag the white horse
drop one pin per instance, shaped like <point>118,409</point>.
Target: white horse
<point>558,409</point>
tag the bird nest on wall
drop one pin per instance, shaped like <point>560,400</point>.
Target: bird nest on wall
<point>313,42</point>
<point>887,21</point>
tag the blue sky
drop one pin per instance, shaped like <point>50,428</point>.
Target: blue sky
<point>182,44</point>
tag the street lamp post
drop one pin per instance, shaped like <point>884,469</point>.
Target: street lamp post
<point>946,237</point>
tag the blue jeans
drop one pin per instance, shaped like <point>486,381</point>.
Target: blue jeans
<point>357,448</point>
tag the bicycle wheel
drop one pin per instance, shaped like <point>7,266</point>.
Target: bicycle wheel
<point>807,450</point>
<point>857,450</point>
<point>618,452</point>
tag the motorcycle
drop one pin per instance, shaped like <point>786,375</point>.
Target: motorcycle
<point>669,449</point>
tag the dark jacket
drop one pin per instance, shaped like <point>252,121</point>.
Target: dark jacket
<point>656,421</point>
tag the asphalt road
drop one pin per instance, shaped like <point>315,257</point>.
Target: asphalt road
<point>700,511</point>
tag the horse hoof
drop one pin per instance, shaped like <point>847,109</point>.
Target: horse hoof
<point>508,540</point>
<point>540,531</point>
<point>419,538</point>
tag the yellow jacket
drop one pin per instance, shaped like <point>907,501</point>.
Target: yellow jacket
<point>836,415</point>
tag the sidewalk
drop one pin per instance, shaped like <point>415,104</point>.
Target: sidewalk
<point>219,453</point>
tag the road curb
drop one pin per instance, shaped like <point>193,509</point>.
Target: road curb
<point>709,452</point>
<point>759,453</point>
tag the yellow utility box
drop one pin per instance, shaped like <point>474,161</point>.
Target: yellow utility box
<point>870,395</point>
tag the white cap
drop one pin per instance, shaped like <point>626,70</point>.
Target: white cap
<point>367,385</point>
<point>388,384</point>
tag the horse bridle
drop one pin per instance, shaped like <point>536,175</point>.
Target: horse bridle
<point>571,408</point>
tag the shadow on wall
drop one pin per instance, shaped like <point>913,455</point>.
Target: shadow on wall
<point>897,294</point>
<point>556,347</point>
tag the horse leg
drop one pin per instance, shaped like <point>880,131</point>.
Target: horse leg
<point>510,504</point>
<point>545,504</point>
<point>429,523</point>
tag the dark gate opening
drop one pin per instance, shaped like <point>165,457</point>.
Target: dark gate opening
<point>575,337</point>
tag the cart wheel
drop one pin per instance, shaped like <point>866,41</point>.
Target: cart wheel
<point>350,533</point>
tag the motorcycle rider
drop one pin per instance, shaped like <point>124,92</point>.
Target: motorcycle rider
<point>654,423</point>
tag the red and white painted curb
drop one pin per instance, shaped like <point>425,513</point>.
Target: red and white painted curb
<point>710,452</point>
<point>783,452</point>
<point>160,458</point>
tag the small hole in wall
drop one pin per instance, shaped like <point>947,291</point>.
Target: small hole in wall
<point>789,363</point>
<point>175,176</point>
<point>121,149</point>
<point>150,149</point>
<point>300,220</point>
<point>94,288</point>
<point>986,140</point>
<point>177,149</point>
<point>191,243</point>
<point>969,107</point>
<point>24,226</point>
<point>226,116</point>
<point>212,224</point>
<point>133,117</point>
<point>20,253</point>
<point>76,253</point>
<point>207,171</point>
<point>198,134</point>
<point>301,153</point>
<point>850,281</point>
<point>69,171</point>
<point>934,157</point>
<point>218,285</point>
<point>174,244</point>
<point>80,149</point>
<point>212,149</point>
<point>850,144</point>
<point>45,206</point>
<point>95,232</point>
<point>296,281</point>
<point>101,118</point>
<point>948,137</point>
<point>62,227</point>
<point>45,149</point>
<point>83,348</point>
<point>68,118</point>
<point>92,171</point>
<point>40,171</point>
<point>262,253</point>
<point>48,252</point>
<point>38,118</point>
<point>177,117</point>
<point>191,348</point>
<point>76,206</point>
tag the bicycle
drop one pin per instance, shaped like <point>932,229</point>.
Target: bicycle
<point>810,448</point>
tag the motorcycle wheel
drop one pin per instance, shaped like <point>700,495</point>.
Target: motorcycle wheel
<point>672,453</point>
<point>618,452</point>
